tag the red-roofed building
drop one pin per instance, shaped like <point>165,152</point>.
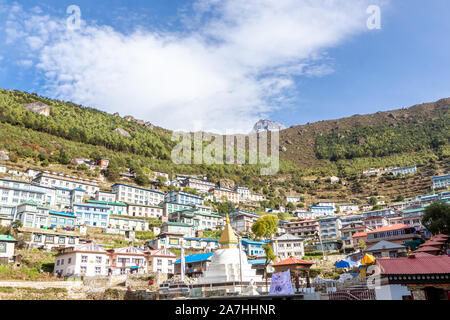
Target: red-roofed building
<point>398,233</point>
<point>296,266</point>
<point>419,277</point>
<point>358,238</point>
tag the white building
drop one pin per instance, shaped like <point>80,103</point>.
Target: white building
<point>105,196</point>
<point>126,260</point>
<point>201,185</point>
<point>31,215</point>
<point>53,179</point>
<point>287,246</point>
<point>322,211</point>
<point>348,208</point>
<point>137,195</point>
<point>7,246</point>
<point>242,221</point>
<point>145,211</point>
<point>126,223</point>
<point>92,215</point>
<point>293,199</point>
<point>441,182</point>
<point>256,197</point>
<point>14,192</point>
<point>83,260</point>
<point>244,193</point>
<point>330,228</point>
<point>162,261</point>
<point>49,239</point>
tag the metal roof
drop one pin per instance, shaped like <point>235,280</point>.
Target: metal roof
<point>415,265</point>
<point>196,257</point>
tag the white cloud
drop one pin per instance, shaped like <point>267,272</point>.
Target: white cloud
<point>233,68</point>
<point>25,63</point>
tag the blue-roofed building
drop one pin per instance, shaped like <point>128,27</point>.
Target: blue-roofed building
<point>91,214</point>
<point>253,248</point>
<point>183,198</point>
<point>322,211</point>
<point>62,220</point>
<point>441,182</point>
<point>195,264</point>
<point>201,244</point>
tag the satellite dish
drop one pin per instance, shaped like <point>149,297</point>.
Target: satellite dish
<point>270,269</point>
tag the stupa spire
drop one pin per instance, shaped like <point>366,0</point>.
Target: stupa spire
<point>228,239</point>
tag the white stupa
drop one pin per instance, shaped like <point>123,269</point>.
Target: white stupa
<point>225,266</point>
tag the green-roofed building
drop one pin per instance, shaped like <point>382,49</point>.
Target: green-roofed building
<point>116,208</point>
<point>7,246</point>
<point>32,215</point>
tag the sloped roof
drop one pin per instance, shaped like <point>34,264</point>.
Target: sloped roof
<point>382,245</point>
<point>288,236</point>
<point>292,261</point>
<point>427,249</point>
<point>7,238</point>
<point>359,234</point>
<point>391,227</point>
<point>415,265</point>
<point>196,257</point>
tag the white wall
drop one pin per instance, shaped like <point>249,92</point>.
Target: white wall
<point>391,292</point>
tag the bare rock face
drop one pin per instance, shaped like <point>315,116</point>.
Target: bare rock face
<point>267,125</point>
<point>123,132</point>
<point>226,183</point>
<point>116,115</point>
<point>4,156</point>
<point>39,108</point>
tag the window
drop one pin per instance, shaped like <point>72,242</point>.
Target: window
<point>62,240</point>
<point>98,259</point>
<point>83,269</point>
<point>69,261</point>
<point>98,270</point>
<point>62,261</point>
<point>84,259</point>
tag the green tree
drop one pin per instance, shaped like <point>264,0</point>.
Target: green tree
<point>437,218</point>
<point>113,171</point>
<point>266,226</point>
<point>64,157</point>
<point>290,206</point>
<point>400,198</point>
<point>373,201</point>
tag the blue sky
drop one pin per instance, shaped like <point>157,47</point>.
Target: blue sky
<point>220,66</point>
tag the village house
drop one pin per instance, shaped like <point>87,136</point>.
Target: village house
<point>256,197</point>
<point>126,223</point>
<point>242,220</point>
<point>62,220</point>
<point>126,260</point>
<point>195,264</point>
<point>398,233</point>
<point>14,192</point>
<point>116,208</point>
<point>244,193</point>
<point>375,222</point>
<point>162,261</point>
<point>49,239</point>
<point>293,199</point>
<point>201,185</point>
<point>347,233</point>
<point>183,198</point>
<point>32,215</point>
<point>387,249</point>
<point>287,246</point>
<point>305,229</point>
<point>88,260</point>
<point>7,247</point>
<point>91,214</point>
<point>253,248</point>
<point>416,277</point>
<point>226,194</point>
<point>330,228</point>
<point>137,195</point>
<point>322,211</point>
<point>52,179</point>
<point>166,240</point>
<point>441,182</point>
<point>177,227</point>
<point>145,211</point>
<point>348,208</point>
<point>201,244</point>
<point>404,170</point>
<point>105,196</point>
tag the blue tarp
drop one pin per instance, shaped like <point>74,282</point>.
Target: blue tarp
<point>344,264</point>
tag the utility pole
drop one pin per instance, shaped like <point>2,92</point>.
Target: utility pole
<point>182,262</point>
<point>321,245</point>
<point>240,261</point>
